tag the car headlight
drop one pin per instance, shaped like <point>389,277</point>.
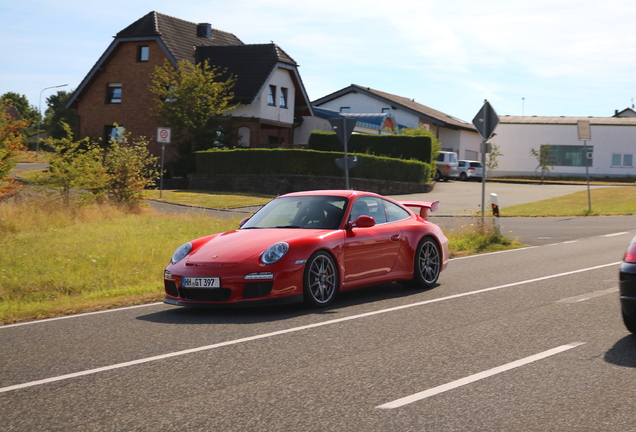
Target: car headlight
<point>181,252</point>
<point>274,253</point>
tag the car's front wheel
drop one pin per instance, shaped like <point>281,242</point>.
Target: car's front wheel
<point>320,281</point>
<point>427,263</point>
<point>463,176</point>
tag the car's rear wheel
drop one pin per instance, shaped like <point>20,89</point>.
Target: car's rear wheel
<point>427,263</point>
<point>320,281</point>
<point>463,176</point>
<point>630,322</point>
<point>438,176</point>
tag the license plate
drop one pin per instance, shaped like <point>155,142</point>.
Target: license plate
<point>201,282</point>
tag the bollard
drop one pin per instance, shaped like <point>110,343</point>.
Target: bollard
<point>495,212</point>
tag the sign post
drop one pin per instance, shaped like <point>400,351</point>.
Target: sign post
<point>585,134</point>
<point>485,122</point>
<point>343,126</point>
<point>163,137</point>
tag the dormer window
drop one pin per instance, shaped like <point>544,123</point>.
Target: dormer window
<point>113,95</point>
<point>143,53</point>
<point>271,96</point>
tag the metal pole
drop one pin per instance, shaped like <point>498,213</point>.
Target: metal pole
<point>346,160</point>
<point>37,146</point>
<point>483,180</point>
<point>163,151</point>
<point>587,175</point>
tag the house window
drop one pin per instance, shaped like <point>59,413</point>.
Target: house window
<point>571,155</point>
<point>170,97</point>
<point>345,109</point>
<point>622,160</point>
<point>283,97</point>
<point>113,133</point>
<point>271,96</point>
<point>114,94</point>
<point>143,53</point>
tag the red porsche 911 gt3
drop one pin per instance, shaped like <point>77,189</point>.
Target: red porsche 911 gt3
<point>310,246</point>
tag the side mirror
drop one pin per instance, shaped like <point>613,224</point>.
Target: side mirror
<point>243,221</point>
<point>363,222</point>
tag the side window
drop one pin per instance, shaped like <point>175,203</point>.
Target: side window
<point>368,206</point>
<point>440,157</point>
<point>395,212</point>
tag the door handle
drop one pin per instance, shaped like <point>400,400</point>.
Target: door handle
<point>395,237</point>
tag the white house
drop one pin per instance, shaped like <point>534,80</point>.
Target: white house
<point>454,134</point>
<point>609,152</point>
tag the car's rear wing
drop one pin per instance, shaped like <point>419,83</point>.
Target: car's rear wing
<point>424,206</point>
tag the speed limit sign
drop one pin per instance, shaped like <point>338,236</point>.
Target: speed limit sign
<point>163,135</point>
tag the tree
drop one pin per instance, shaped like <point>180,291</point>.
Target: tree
<point>21,103</point>
<point>11,142</point>
<point>56,114</point>
<point>191,100</point>
<point>75,165</point>
<point>543,157</point>
<point>492,158</point>
<point>131,169</point>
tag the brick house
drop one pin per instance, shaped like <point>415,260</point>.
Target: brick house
<point>269,90</point>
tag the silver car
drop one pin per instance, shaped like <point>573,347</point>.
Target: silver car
<point>470,169</point>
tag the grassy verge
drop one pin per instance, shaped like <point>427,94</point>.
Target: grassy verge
<point>56,260</point>
<point>216,200</point>
<point>610,201</point>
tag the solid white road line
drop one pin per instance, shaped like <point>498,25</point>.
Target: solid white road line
<point>79,315</point>
<point>291,330</point>
<point>476,377</point>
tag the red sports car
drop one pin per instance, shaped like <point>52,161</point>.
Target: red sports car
<point>309,246</point>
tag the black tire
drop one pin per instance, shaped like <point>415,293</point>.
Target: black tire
<point>427,263</point>
<point>438,176</point>
<point>320,281</point>
<point>463,176</point>
<point>630,322</point>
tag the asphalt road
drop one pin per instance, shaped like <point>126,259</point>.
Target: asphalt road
<point>525,340</point>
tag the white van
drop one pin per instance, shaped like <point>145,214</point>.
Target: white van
<point>446,166</point>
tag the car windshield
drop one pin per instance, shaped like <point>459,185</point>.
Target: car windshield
<point>315,212</point>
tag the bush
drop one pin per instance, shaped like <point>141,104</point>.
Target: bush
<point>394,146</point>
<point>309,162</point>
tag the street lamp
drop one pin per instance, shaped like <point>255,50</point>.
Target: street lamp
<point>37,147</point>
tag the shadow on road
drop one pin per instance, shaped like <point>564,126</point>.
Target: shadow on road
<point>623,353</point>
<point>254,315</point>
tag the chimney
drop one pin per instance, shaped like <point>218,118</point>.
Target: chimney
<point>204,30</point>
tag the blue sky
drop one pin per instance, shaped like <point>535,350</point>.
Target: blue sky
<point>540,57</point>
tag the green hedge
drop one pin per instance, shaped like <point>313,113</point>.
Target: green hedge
<point>394,146</point>
<point>309,162</point>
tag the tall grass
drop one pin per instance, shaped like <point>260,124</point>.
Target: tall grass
<point>56,259</point>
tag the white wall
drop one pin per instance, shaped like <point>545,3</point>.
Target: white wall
<point>516,140</point>
<point>261,109</point>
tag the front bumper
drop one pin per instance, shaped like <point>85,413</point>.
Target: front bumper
<point>286,282</point>
<point>627,288</point>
